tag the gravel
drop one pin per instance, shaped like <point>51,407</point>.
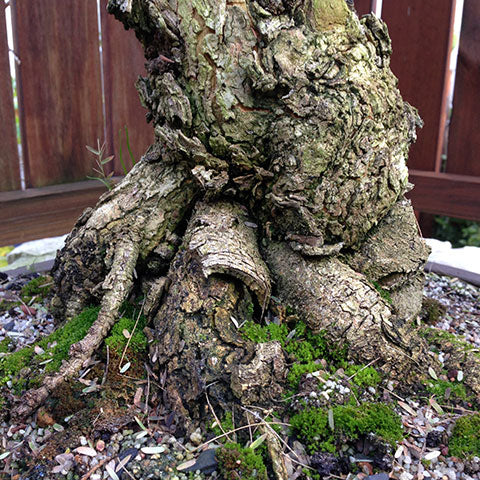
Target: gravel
<point>422,455</point>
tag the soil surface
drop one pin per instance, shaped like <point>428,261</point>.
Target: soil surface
<point>135,438</point>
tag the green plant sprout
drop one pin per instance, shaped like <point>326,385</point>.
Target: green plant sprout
<point>103,176</point>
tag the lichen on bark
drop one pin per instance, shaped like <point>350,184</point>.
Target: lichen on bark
<point>279,167</point>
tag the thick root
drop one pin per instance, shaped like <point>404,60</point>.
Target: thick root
<point>332,297</point>
<point>198,342</point>
<point>152,200</point>
<point>117,286</point>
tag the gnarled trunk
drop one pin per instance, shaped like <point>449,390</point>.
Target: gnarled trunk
<point>279,165</point>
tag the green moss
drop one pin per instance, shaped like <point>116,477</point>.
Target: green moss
<point>265,333</point>
<point>465,439</point>
<point>227,425</point>
<point>4,345</point>
<point>117,340</point>
<point>349,424</point>
<point>303,346</point>
<point>236,462</point>
<point>297,370</point>
<point>72,332</point>
<point>383,293</point>
<point>38,287</point>
<point>438,337</point>
<point>439,388</point>
<point>363,376</point>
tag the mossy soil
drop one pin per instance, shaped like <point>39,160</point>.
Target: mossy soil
<point>321,427</point>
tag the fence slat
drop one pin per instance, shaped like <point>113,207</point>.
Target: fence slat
<point>9,176</point>
<point>123,64</point>
<point>446,194</point>
<point>60,92</point>
<point>464,135</point>
<point>422,33</point>
<point>363,6</point>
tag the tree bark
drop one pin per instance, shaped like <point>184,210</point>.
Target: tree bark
<point>279,165</point>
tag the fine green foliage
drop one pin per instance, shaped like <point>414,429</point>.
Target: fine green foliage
<point>4,345</point>
<point>303,346</point>
<point>265,333</point>
<point>101,174</point>
<point>457,231</point>
<point>235,461</point>
<point>465,439</point>
<point>117,340</point>
<point>383,293</point>
<point>440,387</point>
<point>56,347</point>
<point>227,425</point>
<point>363,376</point>
<point>38,287</point>
<point>350,423</point>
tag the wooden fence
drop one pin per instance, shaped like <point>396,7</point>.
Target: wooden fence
<point>59,84</point>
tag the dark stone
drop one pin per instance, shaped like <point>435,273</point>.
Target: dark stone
<point>328,464</point>
<point>133,452</point>
<point>378,476</point>
<point>3,277</point>
<point>38,472</point>
<point>206,462</point>
<point>379,450</point>
<point>9,326</point>
<point>434,439</point>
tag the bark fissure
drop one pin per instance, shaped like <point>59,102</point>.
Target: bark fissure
<point>280,148</point>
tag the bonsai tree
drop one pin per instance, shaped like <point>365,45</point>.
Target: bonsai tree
<point>277,176</point>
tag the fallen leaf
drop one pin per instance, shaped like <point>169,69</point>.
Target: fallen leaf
<point>432,455</point>
<point>141,425</point>
<point>57,427</point>
<point>258,441</point>
<point>4,455</point>
<point>90,452</point>
<point>186,465</point>
<point>407,408</point>
<point>126,333</point>
<point>432,373</point>
<point>125,367</point>
<point>111,472</point>
<point>153,450</point>
<point>138,396</point>
<point>399,451</point>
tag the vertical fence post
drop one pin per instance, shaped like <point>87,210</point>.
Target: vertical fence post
<point>9,166</point>
<point>464,134</point>
<point>60,90</point>
<point>123,62</point>
<point>422,33</point>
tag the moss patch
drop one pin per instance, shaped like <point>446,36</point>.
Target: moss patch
<point>236,462</point>
<point>439,388</point>
<point>363,376</point>
<point>432,310</point>
<point>383,293</point>
<point>350,423</point>
<point>55,346</point>
<point>465,439</point>
<point>39,287</point>
<point>303,347</point>
<point>117,340</point>
<point>227,425</point>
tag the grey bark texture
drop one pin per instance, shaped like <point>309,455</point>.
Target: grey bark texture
<point>279,166</point>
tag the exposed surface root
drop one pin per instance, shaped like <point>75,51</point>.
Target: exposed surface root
<point>117,286</point>
<point>330,296</point>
